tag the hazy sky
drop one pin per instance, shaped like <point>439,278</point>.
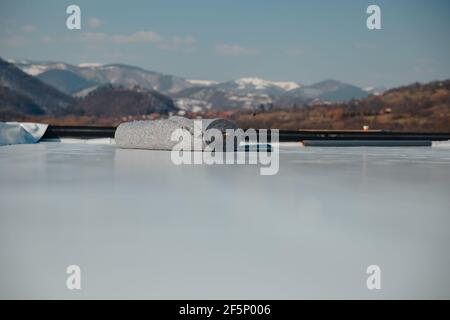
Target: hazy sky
<point>304,41</point>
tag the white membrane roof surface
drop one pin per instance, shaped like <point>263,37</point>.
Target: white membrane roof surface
<point>141,227</point>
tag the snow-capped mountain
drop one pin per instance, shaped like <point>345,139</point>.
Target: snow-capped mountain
<point>257,85</point>
<point>23,94</point>
<point>205,98</point>
<point>249,83</point>
<point>190,94</point>
<point>129,76</point>
<point>242,93</point>
<point>116,74</point>
<point>256,93</point>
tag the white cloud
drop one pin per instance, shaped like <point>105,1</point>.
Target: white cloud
<point>235,50</point>
<point>29,28</point>
<point>94,22</point>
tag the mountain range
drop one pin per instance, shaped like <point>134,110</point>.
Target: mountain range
<point>57,85</point>
<point>72,79</point>
<point>24,94</point>
<point>30,95</point>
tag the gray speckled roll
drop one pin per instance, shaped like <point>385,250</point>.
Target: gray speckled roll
<point>156,134</point>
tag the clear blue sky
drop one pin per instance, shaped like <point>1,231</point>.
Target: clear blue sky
<point>304,41</point>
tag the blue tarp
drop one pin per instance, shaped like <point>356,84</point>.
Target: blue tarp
<point>20,133</point>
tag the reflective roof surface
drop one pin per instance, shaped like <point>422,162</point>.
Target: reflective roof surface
<point>141,227</point>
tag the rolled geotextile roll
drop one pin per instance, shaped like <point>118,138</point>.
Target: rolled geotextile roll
<point>156,134</point>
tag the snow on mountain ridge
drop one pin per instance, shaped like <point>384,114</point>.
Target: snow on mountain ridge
<point>35,69</point>
<point>375,90</point>
<point>258,83</point>
<point>202,82</point>
<point>89,65</point>
<point>287,85</point>
<point>261,84</point>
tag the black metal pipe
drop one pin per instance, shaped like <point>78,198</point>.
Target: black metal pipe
<point>80,132</point>
<point>90,132</point>
<point>359,135</point>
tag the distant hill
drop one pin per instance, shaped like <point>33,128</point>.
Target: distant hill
<point>213,98</point>
<point>40,96</point>
<point>65,81</point>
<point>417,107</point>
<point>427,100</point>
<point>14,104</point>
<point>328,90</point>
<point>110,101</point>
